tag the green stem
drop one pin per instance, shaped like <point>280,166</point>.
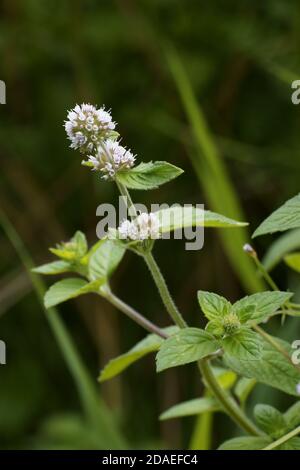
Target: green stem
<point>164,291</point>
<point>227,402</point>
<point>134,315</point>
<point>283,439</point>
<point>128,201</point>
<point>93,407</point>
<point>225,399</point>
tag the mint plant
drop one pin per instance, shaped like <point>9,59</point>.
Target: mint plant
<point>233,353</point>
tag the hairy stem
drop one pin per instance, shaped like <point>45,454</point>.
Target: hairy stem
<point>227,402</point>
<point>164,291</point>
<point>128,201</point>
<point>134,315</point>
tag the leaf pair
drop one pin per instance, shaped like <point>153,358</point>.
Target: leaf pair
<point>229,329</point>
<point>100,262</point>
<point>249,310</point>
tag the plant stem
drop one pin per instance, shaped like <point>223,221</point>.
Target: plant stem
<point>94,408</point>
<point>134,315</point>
<point>275,345</point>
<point>164,291</point>
<point>283,439</point>
<point>264,272</point>
<point>227,402</point>
<point>128,201</point>
<point>230,406</point>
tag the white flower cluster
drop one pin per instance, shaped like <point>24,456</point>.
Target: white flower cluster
<point>145,226</point>
<point>110,158</point>
<point>86,126</point>
<point>91,131</point>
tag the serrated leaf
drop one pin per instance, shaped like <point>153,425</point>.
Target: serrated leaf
<point>246,443</point>
<point>292,416</point>
<point>293,261</point>
<point>286,243</point>
<point>245,344</point>
<point>174,218</point>
<point>190,408</point>
<point>188,345</point>
<point>273,369</point>
<point>105,259</point>
<point>56,267</point>
<point>149,344</point>
<point>266,304</point>
<point>79,239</point>
<point>72,250</point>
<point>270,420</point>
<point>285,218</point>
<point>149,175</point>
<point>243,388</point>
<point>214,306</point>
<point>69,289</point>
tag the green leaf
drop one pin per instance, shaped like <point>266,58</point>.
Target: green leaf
<point>286,243</point>
<point>291,444</point>
<point>246,443</point>
<point>56,267</point>
<point>213,305</point>
<point>245,344</point>
<point>190,408</point>
<point>79,239</point>
<point>266,304</point>
<point>243,388</point>
<point>292,416</point>
<point>105,259</point>
<point>149,175</point>
<point>188,345</point>
<point>226,378</point>
<point>293,261</point>
<point>174,218</point>
<point>149,344</point>
<point>68,289</point>
<point>273,368</point>
<point>270,420</point>
<point>284,218</point>
<point>72,250</point>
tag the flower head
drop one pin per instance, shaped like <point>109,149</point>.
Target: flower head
<point>145,226</point>
<point>86,126</point>
<point>110,158</point>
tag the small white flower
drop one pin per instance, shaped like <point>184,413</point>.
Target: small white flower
<point>145,226</point>
<point>298,388</point>
<point>86,126</point>
<point>110,158</point>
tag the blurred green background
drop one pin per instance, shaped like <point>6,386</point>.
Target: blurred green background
<point>203,85</point>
